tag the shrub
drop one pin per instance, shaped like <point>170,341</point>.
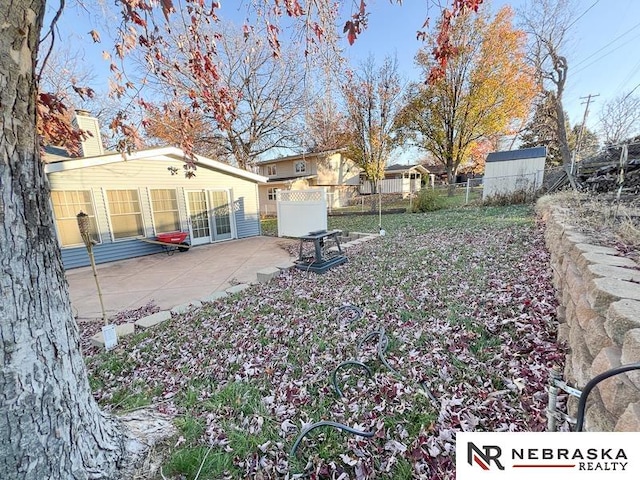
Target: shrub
<point>427,200</point>
<point>523,196</point>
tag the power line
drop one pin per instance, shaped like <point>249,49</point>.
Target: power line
<point>605,55</point>
<point>608,44</point>
<point>629,94</point>
<point>583,14</point>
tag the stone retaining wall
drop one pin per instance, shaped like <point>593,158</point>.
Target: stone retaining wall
<point>599,315</point>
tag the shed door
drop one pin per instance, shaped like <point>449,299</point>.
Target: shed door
<point>199,225</point>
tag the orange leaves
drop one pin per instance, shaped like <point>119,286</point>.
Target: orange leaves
<point>54,123</point>
<point>477,91</point>
<point>273,33</point>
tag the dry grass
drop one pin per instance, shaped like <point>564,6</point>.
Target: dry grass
<point>613,222</point>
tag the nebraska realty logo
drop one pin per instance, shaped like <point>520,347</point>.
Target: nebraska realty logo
<point>572,455</point>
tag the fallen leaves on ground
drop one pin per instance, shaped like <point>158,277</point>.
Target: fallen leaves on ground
<point>469,311</point>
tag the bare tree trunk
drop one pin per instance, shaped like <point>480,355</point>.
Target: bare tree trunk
<point>51,426</point>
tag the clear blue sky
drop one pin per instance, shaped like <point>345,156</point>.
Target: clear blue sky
<point>603,53</point>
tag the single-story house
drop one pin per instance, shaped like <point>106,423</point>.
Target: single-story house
<point>404,179</point>
<point>513,171</point>
<point>331,170</point>
<point>139,195</point>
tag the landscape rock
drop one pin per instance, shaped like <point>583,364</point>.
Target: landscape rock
<point>622,316</point>
<point>631,354</point>
<point>629,421</point>
<point>214,296</point>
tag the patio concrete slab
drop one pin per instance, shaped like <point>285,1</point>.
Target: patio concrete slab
<point>174,280</point>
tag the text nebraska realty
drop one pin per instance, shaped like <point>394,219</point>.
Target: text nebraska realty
<point>607,459</point>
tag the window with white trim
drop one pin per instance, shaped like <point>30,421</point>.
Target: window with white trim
<point>164,205</point>
<point>272,193</point>
<point>301,166</point>
<point>271,170</point>
<point>125,214</point>
<point>67,204</point>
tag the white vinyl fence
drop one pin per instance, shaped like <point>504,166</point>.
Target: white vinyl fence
<point>392,185</point>
<point>301,211</point>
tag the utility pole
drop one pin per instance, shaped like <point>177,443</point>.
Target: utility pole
<point>576,149</point>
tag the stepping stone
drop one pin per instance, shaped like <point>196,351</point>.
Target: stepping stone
<point>153,320</point>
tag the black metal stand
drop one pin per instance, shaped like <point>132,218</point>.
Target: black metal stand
<point>321,262</point>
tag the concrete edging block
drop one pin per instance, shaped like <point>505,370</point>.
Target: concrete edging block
<point>185,307</point>
<point>237,288</point>
<point>267,274</point>
<point>214,296</point>
<point>153,320</point>
<point>122,330</point>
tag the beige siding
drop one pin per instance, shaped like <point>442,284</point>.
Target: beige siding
<point>92,145</point>
<point>151,174</point>
<point>337,170</point>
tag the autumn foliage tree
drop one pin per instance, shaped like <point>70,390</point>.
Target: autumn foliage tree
<point>164,127</point>
<point>372,96</point>
<point>485,87</point>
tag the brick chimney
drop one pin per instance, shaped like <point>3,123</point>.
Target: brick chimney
<point>92,145</point>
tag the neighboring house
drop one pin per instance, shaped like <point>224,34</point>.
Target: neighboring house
<point>139,195</point>
<point>330,169</point>
<point>514,170</point>
<point>404,179</point>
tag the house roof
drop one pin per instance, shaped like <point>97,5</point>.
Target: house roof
<point>522,154</point>
<point>435,169</point>
<point>290,179</point>
<point>396,168</point>
<point>162,153</point>
<point>301,156</point>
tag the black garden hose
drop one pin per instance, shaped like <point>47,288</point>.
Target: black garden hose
<point>326,423</point>
<point>582,404</point>
<point>351,308</point>
<point>353,363</point>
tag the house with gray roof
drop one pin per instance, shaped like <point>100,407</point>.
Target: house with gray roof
<point>135,196</point>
